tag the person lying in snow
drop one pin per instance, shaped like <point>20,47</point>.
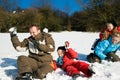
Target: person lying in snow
<point>68,61</point>
<point>104,34</point>
<point>106,49</point>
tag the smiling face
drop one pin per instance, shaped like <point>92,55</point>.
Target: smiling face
<point>34,30</point>
<point>60,52</point>
<point>110,26</point>
<point>116,38</point>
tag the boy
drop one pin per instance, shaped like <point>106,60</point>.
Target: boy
<point>70,64</point>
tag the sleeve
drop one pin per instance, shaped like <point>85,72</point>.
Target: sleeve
<point>100,48</point>
<point>48,46</point>
<point>73,54</point>
<point>19,46</point>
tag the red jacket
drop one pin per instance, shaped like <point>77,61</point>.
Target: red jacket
<point>69,57</point>
<point>108,33</point>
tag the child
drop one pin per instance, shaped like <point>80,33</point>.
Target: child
<point>70,65</point>
<point>61,50</point>
<point>106,49</point>
<point>104,34</point>
<point>58,63</point>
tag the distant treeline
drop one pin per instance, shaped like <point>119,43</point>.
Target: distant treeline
<point>92,18</point>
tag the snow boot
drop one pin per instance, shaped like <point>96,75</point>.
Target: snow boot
<point>90,70</point>
<point>75,76</point>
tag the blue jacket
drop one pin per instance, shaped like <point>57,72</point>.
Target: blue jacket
<point>104,47</point>
<point>60,61</point>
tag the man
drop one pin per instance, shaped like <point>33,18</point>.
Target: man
<point>39,61</point>
<point>105,49</point>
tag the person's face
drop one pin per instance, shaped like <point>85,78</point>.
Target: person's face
<point>60,52</point>
<point>110,27</point>
<point>34,31</point>
<point>115,40</point>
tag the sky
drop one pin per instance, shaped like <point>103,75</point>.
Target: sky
<point>56,4</point>
<point>78,41</point>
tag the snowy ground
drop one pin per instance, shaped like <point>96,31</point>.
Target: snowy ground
<point>80,41</point>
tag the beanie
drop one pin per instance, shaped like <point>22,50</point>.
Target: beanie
<point>61,48</point>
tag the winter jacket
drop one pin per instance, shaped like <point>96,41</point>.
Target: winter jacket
<point>39,47</point>
<point>104,47</point>
<point>60,61</point>
<point>72,66</point>
<point>104,34</point>
<point>69,57</point>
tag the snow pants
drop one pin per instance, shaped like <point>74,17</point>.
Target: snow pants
<point>38,69</point>
<point>78,67</point>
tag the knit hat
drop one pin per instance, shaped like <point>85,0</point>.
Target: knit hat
<point>61,47</point>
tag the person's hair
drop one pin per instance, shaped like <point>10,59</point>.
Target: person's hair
<point>116,34</point>
<point>38,28</point>
<point>61,48</point>
<point>109,24</point>
<point>113,21</point>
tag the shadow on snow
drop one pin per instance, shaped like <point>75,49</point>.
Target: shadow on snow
<point>9,62</point>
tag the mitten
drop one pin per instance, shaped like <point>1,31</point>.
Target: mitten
<point>13,31</point>
<point>67,44</point>
<point>110,58</point>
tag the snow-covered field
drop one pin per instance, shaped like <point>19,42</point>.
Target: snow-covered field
<point>80,41</point>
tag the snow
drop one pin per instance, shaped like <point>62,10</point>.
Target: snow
<point>80,41</point>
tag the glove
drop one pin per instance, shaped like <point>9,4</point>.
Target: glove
<point>13,31</point>
<point>109,58</point>
<point>67,44</point>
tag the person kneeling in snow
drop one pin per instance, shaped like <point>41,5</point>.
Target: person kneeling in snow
<point>106,49</point>
<point>68,61</point>
<point>40,46</point>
